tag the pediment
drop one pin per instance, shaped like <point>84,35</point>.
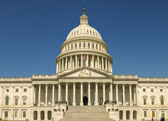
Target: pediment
<point>85,72</point>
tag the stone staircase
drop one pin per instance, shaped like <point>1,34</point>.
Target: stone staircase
<point>86,113</point>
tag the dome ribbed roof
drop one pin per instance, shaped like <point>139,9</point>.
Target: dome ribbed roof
<point>84,30</point>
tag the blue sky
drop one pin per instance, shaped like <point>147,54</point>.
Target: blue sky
<point>32,31</point>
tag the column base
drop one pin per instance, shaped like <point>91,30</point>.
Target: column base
<point>81,104</point>
<point>74,104</point>
<point>96,103</point>
<point>89,104</point>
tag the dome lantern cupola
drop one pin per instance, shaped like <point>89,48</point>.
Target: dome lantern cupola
<point>84,18</point>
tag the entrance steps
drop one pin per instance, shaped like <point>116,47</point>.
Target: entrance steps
<point>86,113</point>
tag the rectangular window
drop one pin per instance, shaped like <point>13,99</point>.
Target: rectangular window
<point>16,114</point>
<point>6,114</point>
<point>145,114</point>
<point>153,102</point>
<point>88,45</point>
<point>24,101</point>
<point>144,101</point>
<point>79,45</point>
<point>153,113</point>
<point>24,114</point>
<point>16,101</point>
<point>163,114</point>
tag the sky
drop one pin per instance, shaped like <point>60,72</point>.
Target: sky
<point>32,32</point>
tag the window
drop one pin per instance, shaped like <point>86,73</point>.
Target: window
<point>92,46</point>
<point>144,90</point>
<point>161,90</point>
<point>84,45</point>
<point>163,114</point>
<point>79,62</point>
<point>24,114</point>
<point>17,90</point>
<point>153,101</point>
<point>16,114</point>
<point>7,90</point>
<point>24,101</point>
<point>153,113</point>
<point>152,90</point>
<point>7,100</point>
<point>16,101</point>
<point>88,45</point>
<point>71,46</point>
<point>79,45</point>
<point>162,100</point>
<point>96,46</point>
<point>6,114</point>
<point>25,90</point>
<point>145,114</point>
<point>75,45</point>
<point>144,101</point>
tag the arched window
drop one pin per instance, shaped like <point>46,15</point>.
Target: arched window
<point>7,100</point>
<point>127,115</point>
<point>71,46</point>
<point>79,45</point>
<point>35,115</point>
<point>49,115</point>
<point>152,101</point>
<point>88,45</point>
<point>121,114</point>
<point>134,115</point>
<point>144,101</point>
<point>42,115</point>
<point>92,45</point>
<point>162,100</point>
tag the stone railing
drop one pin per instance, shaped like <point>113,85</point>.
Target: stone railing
<point>61,106</point>
<point>44,76</point>
<point>15,79</point>
<point>126,76</point>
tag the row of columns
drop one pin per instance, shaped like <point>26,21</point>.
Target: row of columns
<point>74,62</point>
<point>89,92</point>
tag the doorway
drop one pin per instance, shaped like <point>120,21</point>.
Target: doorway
<point>85,100</point>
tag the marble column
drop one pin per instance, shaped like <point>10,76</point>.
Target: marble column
<point>96,94</point>
<point>81,86</point>
<point>59,92</point>
<point>66,63</point>
<point>111,92</point>
<point>81,60</point>
<point>106,64</point>
<point>71,63</point>
<point>102,63</point>
<point>123,95</point>
<point>98,62</point>
<point>33,99</point>
<point>130,90</point>
<point>57,67</point>
<point>66,93</point>
<point>92,61</point>
<point>63,68</point>
<point>104,93</point>
<point>87,60</point>
<point>53,91</point>
<point>76,62</point>
<point>89,101</point>
<point>46,94</point>
<point>74,94</point>
<point>117,94</point>
<point>39,95</point>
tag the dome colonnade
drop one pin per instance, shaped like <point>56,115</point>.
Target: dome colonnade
<point>84,47</point>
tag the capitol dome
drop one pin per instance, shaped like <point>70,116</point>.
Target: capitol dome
<point>84,30</point>
<point>84,47</point>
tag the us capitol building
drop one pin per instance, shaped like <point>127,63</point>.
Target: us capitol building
<point>84,87</point>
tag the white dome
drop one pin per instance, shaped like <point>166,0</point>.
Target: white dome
<point>84,30</point>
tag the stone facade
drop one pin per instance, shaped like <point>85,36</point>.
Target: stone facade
<point>84,77</point>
